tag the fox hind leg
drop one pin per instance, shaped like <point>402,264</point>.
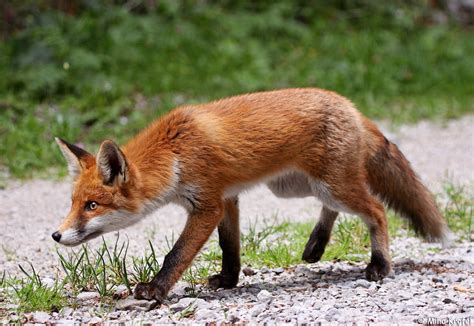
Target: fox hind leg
<point>229,241</point>
<point>376,221</point>
<point>372,212</point>
<point>320,236</point>
<point>352,196</point>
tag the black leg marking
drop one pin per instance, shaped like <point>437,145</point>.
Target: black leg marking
<point>378,268</point>
<point>320,236</point>
<point>316,244</point>
<point>229,241</point>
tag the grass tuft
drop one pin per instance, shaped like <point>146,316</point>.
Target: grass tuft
<point>32,295</point>
<point>102,269</point>
<point>458,211</point>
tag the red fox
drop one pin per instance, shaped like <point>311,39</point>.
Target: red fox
<point>300,142</point>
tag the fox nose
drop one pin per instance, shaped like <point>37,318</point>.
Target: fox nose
<point>56,236</point>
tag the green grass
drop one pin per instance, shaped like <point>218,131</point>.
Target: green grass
<point>96,76</point>
<point>282,245</point>
<point>102,269</point>
<point>273,245</point>
<point>458,211</point>
<point>30,294</point>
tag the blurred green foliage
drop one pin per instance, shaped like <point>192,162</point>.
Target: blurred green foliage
<point>103,69</point>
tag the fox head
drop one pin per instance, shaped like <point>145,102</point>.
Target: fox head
<point>103,193</point>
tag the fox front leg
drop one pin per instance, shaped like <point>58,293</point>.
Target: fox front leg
<point>229,241</point>
<point>198,229</point>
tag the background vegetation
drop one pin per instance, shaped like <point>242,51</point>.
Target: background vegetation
<point>89,70</point>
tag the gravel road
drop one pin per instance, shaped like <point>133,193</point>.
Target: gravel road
<point>425,284</point>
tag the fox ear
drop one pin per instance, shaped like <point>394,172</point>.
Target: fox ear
<point>73,155</point>
<point>111,163</point>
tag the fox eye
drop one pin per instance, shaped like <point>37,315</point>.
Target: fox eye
<point>91,205</point>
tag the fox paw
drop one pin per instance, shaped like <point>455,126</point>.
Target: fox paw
<point>312,256</point>
<point>378,268</point>
<point>147,291</point>
<point>314,249</point>
<point>220,281</point>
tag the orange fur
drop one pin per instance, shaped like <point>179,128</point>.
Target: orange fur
<point>301,141</point>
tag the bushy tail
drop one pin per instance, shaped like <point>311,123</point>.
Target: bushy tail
<point>391,177</point>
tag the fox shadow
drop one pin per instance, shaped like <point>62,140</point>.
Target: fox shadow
<point>314,277</point>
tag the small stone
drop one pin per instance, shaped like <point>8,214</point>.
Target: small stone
<point>258,309</point>
<point>233,319</point>
<point>121,292</point>
<point>447,300</point>
<point>278,271</point>
<point>374,286</point>
<point>77,314</point>
<point>87,296</point>
<point>205,314</point>
<point>451,308</point>
<point>186,302</point>
<point>95,321</point>
<point>64,322</point>
<point>248,271</point>
<point>130,303</point>
<point>254,289</point>
<point>264,270</point>
<point>332,314</point>
<point>302,270</point>
<point>419,303</point>
<point>40,317</point>
<point>264,295</point>
<point>180,289</point>
<point>28,316</point>
<point>66,311</point>
<point>114,315</point>
<point>362,283</point>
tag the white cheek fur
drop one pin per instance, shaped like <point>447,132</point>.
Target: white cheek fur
<point>120,219</point>
<point>112,221</point>
<point>99,225</point>
<point>105,223</point>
